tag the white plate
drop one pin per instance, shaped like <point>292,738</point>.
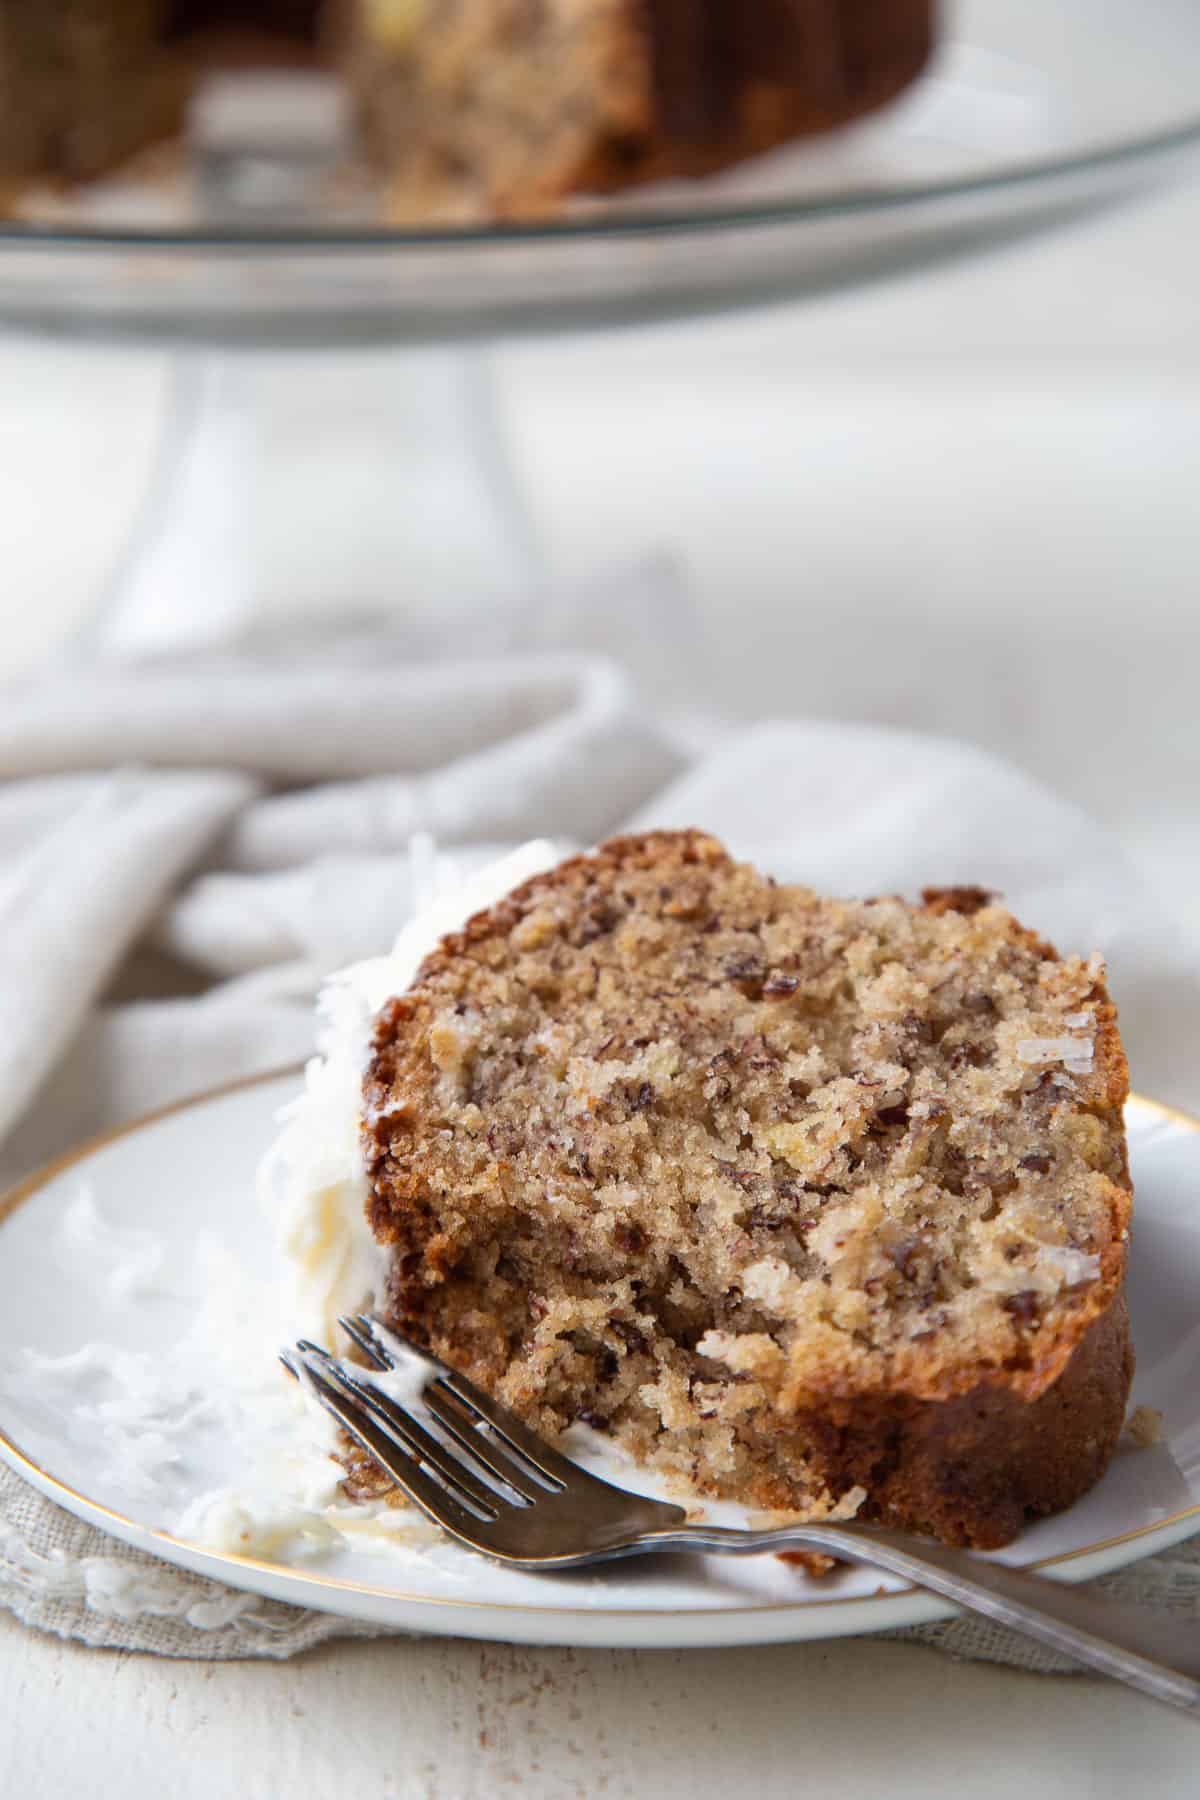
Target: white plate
<point>188,1172</point>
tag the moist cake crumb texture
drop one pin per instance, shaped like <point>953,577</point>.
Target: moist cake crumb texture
<point>817,1204</point>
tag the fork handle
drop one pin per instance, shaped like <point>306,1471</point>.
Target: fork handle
<point>1159,1656</point>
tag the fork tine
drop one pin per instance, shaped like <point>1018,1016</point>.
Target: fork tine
<point>441,1456</point>
<point>516,1437</point>
<point>545,1463</point>
<point>357,1329</point>
<point>390,1417</point>
<point>434,1500</point>
<point>381,1344</point>
<point>454,1419</point>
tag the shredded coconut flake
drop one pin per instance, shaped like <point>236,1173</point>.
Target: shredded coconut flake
<point>1077,1055</point>
<point>1074,1266</point>
<point>849,1504</point>
<point>234,1523</point>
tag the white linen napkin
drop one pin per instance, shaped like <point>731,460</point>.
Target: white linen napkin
<point>186,849</point>
<point>250,820</point>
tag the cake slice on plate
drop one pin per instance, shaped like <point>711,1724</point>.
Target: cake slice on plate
<point>819,1205</point>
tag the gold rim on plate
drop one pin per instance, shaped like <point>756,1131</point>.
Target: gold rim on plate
<point>33,1184</point>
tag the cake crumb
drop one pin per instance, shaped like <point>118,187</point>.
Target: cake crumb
<point>1145,1426</point>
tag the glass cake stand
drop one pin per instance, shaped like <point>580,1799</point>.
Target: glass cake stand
<point>255,241</point>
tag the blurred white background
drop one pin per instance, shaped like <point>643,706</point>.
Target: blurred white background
<point>962,500</point>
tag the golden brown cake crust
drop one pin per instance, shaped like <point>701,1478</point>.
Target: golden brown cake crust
<point>733,82</point>
<point>818,1204</point>
<point>973,1469</point>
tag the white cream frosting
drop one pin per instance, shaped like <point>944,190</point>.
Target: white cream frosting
<point>313,1187</point>
<point>223,1382</point>
<point>1077,1054</point>
<point>311,1181</point>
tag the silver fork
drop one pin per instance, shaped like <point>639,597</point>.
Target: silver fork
<point>496,1487</point>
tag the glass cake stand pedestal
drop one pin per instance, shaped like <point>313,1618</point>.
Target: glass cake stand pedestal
<point>298,489</point>
<point>296,460</point>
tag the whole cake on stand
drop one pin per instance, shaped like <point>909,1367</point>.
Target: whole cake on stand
<point>493,108</point>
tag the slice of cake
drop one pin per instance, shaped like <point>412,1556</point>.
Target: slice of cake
<point>815,1204</point>
<point>83,84</point>
<point>483,107</point>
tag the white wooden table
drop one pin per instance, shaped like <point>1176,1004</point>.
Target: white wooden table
<point>965,501</point>
<point>458,1721</point>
